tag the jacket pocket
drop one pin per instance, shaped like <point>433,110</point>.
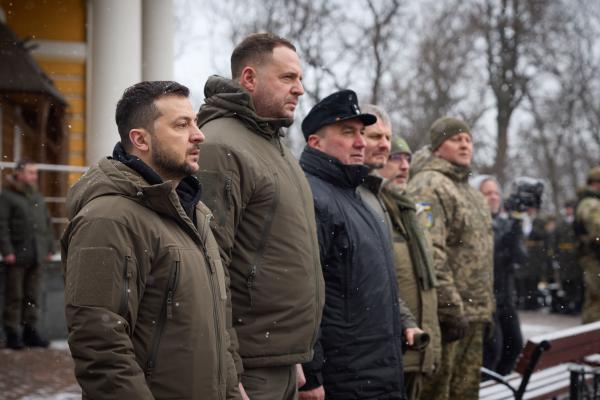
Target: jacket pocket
<point>217,187</point>
<point>125,289</point>
<point>254,268</point>
<point>166,313</point>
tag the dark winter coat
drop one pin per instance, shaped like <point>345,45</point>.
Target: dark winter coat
<point>509,249</point>
<point>25,229</point>
<point>359,354</point>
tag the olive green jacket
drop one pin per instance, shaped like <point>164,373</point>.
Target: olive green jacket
<point>415,276</point>
<point>25,228</point>
<point>587,214</point>
<point>265,226</point>
<point>460,227</point>
<point>145,292</point>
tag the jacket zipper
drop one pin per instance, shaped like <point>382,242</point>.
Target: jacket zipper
<point>165,313</point>
<point>278,140</point>
<point>125,295</point>
<point>316,260</point>
<point>216,300</point>
<point>262,243</point>
<point>250,283</point>
<point>228,193</point>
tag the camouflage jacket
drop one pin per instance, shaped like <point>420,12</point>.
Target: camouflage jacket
<point>587,215</point>
<point>460,227</point>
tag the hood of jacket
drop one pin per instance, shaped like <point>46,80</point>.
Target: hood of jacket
<point>226,98</point>
<point>113,178</point>
<point>424,160</point>
<point>331,170</point>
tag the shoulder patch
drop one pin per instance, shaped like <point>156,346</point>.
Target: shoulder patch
<point>425,213</point>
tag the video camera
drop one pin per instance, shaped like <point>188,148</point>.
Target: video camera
<point>525,193</point>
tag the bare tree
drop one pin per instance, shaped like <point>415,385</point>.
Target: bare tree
<point>441,76</point>
<point>508,30</point>
<point>530,67</point>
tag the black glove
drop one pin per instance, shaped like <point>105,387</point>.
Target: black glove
<point>454,329</point>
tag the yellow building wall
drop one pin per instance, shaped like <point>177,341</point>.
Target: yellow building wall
<point>62,21</point>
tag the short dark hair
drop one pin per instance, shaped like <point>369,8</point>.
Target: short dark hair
<point>136,107</point>
<point>254,48</point>
<point>22,163</point>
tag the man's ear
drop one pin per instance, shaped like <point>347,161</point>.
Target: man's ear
<point>140,140</point>
<point>248,79</point>
<point>314,141</point>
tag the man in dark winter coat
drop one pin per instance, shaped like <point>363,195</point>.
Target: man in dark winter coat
<point>359,354</point>
<point>264,216</point>
<point>26,242</point>
<point>503,339</point>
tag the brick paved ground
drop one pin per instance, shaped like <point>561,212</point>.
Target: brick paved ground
<point>47,374</point>
<point>36,374</point>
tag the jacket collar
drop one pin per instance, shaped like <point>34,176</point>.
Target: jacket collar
<point>226,98</point>
<point>374,182</point>
<point>188,191</point>
<point>588,191</point>
<point>331,170</point>
<point>457,173</point>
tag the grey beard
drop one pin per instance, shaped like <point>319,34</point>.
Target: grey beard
<point>398,188</point>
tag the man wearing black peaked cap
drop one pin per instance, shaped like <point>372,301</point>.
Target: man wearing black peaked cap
<point>359,352</point>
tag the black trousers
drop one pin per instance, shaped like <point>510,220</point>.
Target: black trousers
<point>502,346</point>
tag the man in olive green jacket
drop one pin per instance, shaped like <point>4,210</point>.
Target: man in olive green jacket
<point>415,272</point>
<point>587,229</point>
<point>145,290</point>
<point>26,242</point>
<point>460,226</point>
<point>264,214</point>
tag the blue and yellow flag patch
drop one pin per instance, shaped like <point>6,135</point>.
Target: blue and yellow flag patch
<point>425,214</point>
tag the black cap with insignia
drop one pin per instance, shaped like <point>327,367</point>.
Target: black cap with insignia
<point>339,106</point>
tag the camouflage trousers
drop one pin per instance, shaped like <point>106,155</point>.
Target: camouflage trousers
<point>21,293</point>
<point>591,276</point>
<point>458,376</point>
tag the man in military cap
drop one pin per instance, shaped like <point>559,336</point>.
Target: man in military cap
<point>361,328</point>
<point>460,226</point>
<point>587,229</point>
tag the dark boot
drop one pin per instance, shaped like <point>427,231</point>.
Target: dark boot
<point>32,338</point>
<point>13,341</point>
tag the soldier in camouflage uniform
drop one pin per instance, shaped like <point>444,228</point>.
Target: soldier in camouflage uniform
<point>460,226</point>
<point>587,229</point>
